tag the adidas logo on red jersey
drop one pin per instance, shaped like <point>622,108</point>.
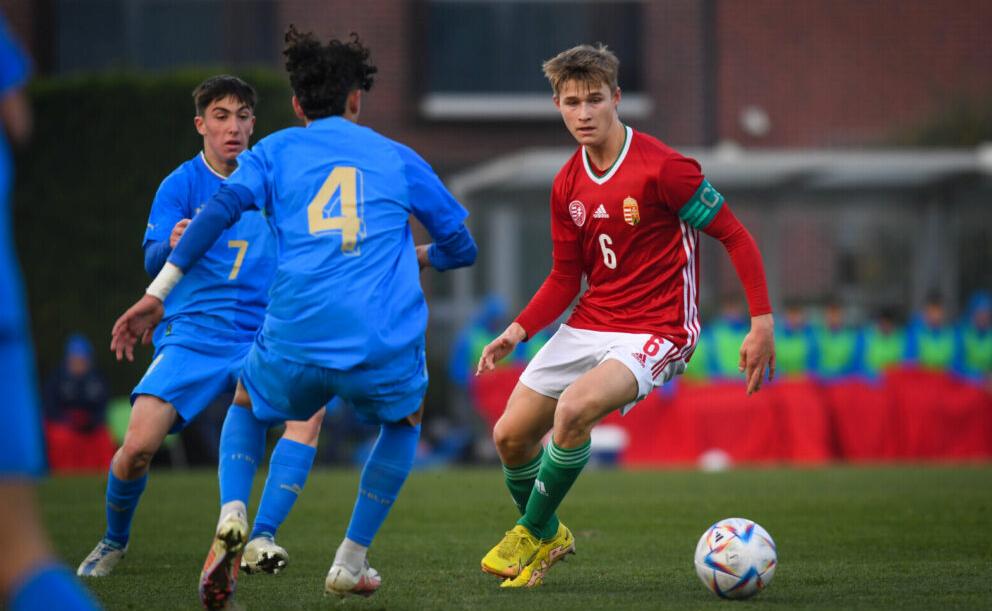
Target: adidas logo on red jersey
<point>601,213</point>
<point>641,358</point>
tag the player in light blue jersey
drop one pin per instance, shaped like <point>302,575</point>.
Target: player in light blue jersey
<point>210,324</point>
<point>347,315</point>
<point>30,577</point>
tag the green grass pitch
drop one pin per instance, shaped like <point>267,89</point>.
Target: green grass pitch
<point>868,538</point>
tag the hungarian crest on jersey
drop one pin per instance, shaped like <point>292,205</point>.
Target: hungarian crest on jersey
<point>630,212</point>
<point>578,211</point>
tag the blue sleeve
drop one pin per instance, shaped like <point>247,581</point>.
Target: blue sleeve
<point>456,250</point>
<point>859,365</point>
<point>171,205</point>
<point>812,354</point>
<point>253,175</point>
<point>156,254</point>
<point>223,210</point>
<point>14,66</point>
<point>438,211</point>
<point>912,342</point>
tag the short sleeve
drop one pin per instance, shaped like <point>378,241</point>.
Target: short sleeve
<point>14,65</point>
<point>430,201</point>
<point>253,174</point>
<point>168,208</point>
<point>687,193</point>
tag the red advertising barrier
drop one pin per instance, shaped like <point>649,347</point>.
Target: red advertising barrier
<point>908,415</point>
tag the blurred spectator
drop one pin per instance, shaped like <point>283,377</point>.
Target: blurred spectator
<point>795,350</point>
<point>839,346</point>
<point>930,339</point>
<point>75,406</point>
<point>973,354</point>
<point>724,340</point>
<point>885,343</point>
<point>487,323</point>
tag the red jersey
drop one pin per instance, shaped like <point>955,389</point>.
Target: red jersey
<point>633,231</point>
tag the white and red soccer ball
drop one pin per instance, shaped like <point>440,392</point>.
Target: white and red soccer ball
<point>736,558</point>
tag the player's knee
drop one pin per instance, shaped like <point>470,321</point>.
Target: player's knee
<point>510,444</point>
<point>572,416</point>
<point>132,459</point>
<point>303,431</point>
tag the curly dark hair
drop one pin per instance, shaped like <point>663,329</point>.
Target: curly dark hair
<point>322,76</point>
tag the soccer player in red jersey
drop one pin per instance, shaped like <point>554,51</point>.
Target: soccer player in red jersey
<point>626,212</point>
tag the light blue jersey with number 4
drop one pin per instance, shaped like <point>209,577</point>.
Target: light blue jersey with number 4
<point>339,198</point>
<point>223,297</point>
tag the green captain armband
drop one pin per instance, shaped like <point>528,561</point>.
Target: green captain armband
<point>702,207</point>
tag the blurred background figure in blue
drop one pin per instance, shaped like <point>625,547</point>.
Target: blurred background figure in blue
<point>885,343</point>
<point>973,356</point>
<point>723,339</point>
<point>795,349</point>
<point>30,577</point>
<point>74,403</point>
<point>930,337</point>
<point>840,346</point>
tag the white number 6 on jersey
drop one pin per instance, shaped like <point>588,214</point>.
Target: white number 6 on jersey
<point>609,257</point>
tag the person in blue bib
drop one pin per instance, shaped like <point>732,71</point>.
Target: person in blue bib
<point>210,323</point>
<point>30,575</point>
<point>346,315</point>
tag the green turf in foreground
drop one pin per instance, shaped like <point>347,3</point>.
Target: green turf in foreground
<point>907,538</point>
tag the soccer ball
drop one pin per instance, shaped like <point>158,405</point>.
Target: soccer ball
<point>735,558</point>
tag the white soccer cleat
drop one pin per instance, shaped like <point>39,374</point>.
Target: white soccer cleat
<point>102,559</point>
<point>340,581</point>
<point>263,555</point>
<point>219,576</point>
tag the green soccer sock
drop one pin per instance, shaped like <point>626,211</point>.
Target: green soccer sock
<point>520,480</point>
<point>560,468</point>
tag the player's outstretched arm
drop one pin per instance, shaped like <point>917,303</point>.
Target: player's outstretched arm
<point>503,345</point>
<point>758,352</point>
<point>136,323</point>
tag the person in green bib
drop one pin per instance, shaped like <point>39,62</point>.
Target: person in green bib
<point>973,354</point>
<point>885,343</point>
<point>722,340</point>
<point>839,346</point>
<point>795,353</point>
<point>930,339</point>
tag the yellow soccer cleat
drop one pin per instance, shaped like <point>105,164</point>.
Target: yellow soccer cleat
<point>550,552</point>
<point>512,554</point>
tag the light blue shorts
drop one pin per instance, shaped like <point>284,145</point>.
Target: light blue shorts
<point>190,379</point>
<point>22,451</point>
<point>281,389</point>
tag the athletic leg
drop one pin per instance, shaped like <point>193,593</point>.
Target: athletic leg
<point>242,445</point>
<point>149,423</point>
<point>32,578</point>
<point>384,474</point>
<point>289,467</point>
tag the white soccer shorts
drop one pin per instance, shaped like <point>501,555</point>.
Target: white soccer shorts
<point>572,352</point>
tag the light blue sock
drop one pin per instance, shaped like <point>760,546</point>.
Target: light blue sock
<point>383,476</point>
<point>50,586</point>
<point>122,501</point>
<point>242,445</point>
<point>288,469</point>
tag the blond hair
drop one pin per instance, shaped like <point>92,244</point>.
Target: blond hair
<point>591,65</point>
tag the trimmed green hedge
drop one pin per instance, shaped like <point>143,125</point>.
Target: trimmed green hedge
<point>83,190</point>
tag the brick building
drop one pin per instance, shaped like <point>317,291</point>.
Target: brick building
<point>460,79</point>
